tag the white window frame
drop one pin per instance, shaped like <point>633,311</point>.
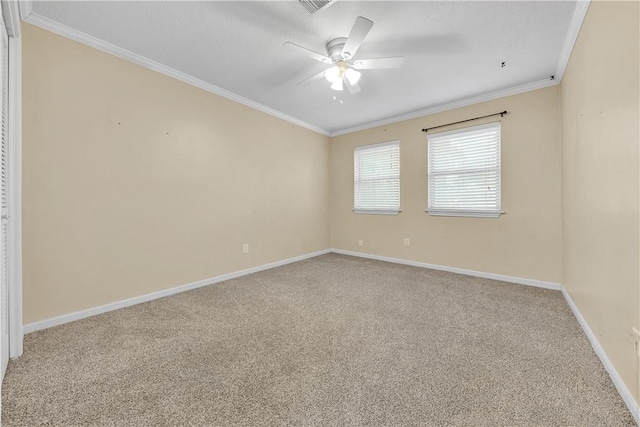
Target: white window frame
<point>492,213</point>
<point>375,211</point>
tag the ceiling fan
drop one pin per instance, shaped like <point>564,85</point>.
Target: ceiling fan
<point>344,70</point>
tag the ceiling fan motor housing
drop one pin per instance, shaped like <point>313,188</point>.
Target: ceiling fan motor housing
<point>334,49</point>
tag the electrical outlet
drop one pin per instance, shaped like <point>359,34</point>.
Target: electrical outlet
<point>360,243</point>
<point>245,248</point>
<point>407,242</point>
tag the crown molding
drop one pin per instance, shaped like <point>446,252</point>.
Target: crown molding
<point>451,106</point>
<point>579,13</point>
<point>26,8</point>
<point>96,43</point>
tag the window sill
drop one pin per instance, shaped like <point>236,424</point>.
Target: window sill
<point>376,212</point>
<point>466,214</point>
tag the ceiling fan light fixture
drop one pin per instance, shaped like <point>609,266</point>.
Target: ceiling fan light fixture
<point>337,84</point>
<point>344,71</point>
<point>332,74</point>
<point>352,75</point>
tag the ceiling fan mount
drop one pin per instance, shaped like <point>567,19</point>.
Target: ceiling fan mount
<point>344,70</point>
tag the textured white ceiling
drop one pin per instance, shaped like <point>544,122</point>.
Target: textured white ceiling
<point>453,49</point>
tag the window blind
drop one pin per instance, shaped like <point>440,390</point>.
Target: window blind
<point>464,172</point>
<point>376,173</point>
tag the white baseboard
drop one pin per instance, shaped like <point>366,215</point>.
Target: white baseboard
<point>501,277</point>
<point>624,391</point>
<point>77,315</point>
<point>615,377</point>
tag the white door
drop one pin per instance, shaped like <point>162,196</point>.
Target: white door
<point>4,282</point>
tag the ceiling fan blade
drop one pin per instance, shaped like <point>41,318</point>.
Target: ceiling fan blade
<point>353,89</point>
<point>359,31</point>
<point>312,78</point>
<point>368,64</point>
<point>307,52</point>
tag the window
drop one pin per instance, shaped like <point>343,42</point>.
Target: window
<point>464,172</point>
<point>376,178</point>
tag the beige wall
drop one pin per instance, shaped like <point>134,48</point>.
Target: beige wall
<point>600,98</point>
<point>135,182</point>
<point>526,242</point>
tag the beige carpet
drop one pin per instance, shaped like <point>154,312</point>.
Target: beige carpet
<point>333,340</point>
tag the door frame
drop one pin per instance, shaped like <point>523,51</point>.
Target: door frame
<point>11,15</point>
